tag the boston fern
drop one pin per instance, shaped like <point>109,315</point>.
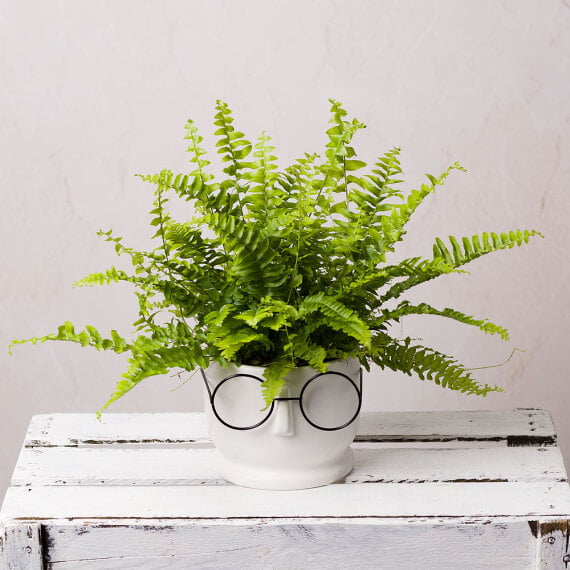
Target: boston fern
<point>284,268</point>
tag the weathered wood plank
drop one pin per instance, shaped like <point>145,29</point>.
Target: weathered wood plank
<point>21,546</point>
<point>389,544</point>
<point>142,428</point>
<point>554,545</point>
<point>516,427</point>
<point>105,504</point>
<point>148,466</point>
<point>228,501</point>
<point>521,426</point>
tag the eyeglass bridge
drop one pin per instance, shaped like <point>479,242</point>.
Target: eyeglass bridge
<point>299,398</point>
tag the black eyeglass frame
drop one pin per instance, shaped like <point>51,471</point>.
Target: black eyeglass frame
<point>212,395</point>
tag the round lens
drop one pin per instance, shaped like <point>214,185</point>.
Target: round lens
<point>238,401</point>
<point>330,400</point>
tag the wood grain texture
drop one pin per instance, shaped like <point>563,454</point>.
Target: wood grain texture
<point>526,426</point>
<point>516,427</point>
<point>483,490</point>
<point>150,466</point>
<point>554,545</point>
<point>116,428</point>
<point>293,544</point>
<point>21,546</point>
<point>229,501</point>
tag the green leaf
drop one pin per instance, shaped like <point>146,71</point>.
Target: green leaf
<point>274,381</point>
<point>427,364</point>
<point>352,165</point>
<point>471,249</point>
<point>406,308</point>
<point>339,316</point>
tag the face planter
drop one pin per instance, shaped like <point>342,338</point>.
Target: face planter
<point>301,440</point>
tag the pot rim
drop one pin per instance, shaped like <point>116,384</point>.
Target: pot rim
<point>257,368</point>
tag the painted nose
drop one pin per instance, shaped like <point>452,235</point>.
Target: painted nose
<point>283,418</point>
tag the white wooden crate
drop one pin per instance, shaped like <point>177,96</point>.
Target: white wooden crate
<point>431,490</point>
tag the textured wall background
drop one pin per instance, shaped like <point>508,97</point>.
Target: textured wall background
<point>94,92</point>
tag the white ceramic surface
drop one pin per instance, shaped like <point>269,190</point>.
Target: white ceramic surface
<point>286,451</point>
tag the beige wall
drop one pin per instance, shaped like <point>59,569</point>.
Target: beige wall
<point>93,92</point>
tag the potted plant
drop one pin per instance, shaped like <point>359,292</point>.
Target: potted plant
<point>279,289</point>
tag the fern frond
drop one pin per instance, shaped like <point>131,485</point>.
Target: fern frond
<point>178,333</point>
<point>188,187</point>
<point>107,277</point>
<point>359,234</point>
<point>89,337</point>
<point>406,308</point>
<point>150,359</point>
<point>230,344</point>
<point>374,191</point>
<point>476,246</point>
<point>302,348</point>
<point>274,376</point>
<point>196,151</point>
<point>471,249</point>
<point>189,243</point>
<point>394,223</point>
<point>138,258</point>
<point>339,317</point>
<point>410,267</point>
<point>269,313</point>
<point>386,173</point>
<point>232,144</point>
<point>217,318</point>
<point>160,216</point>
<point>255,315</point>
<point>428,364</point>
<point>255,263</point>
<point>280,315</point>
<point>262,197</point>
<point>339,153</point>
<point>234,148</point>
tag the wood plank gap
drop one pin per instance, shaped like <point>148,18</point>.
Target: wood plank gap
<point>520,427</point>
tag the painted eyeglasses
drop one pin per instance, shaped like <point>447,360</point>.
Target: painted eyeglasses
<point>318,401</point>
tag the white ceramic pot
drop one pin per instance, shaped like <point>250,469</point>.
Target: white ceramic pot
<point>295,444</point>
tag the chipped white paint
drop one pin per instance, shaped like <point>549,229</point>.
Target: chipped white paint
<point>483,425</point>
<point>20,546</point>
<point>474,490</point>
<point>358,499</point>
<point>554,545</point>
<point>150,466</point>
<point>294,544</point>
<point>520,425</point>
<point>84,429</point>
